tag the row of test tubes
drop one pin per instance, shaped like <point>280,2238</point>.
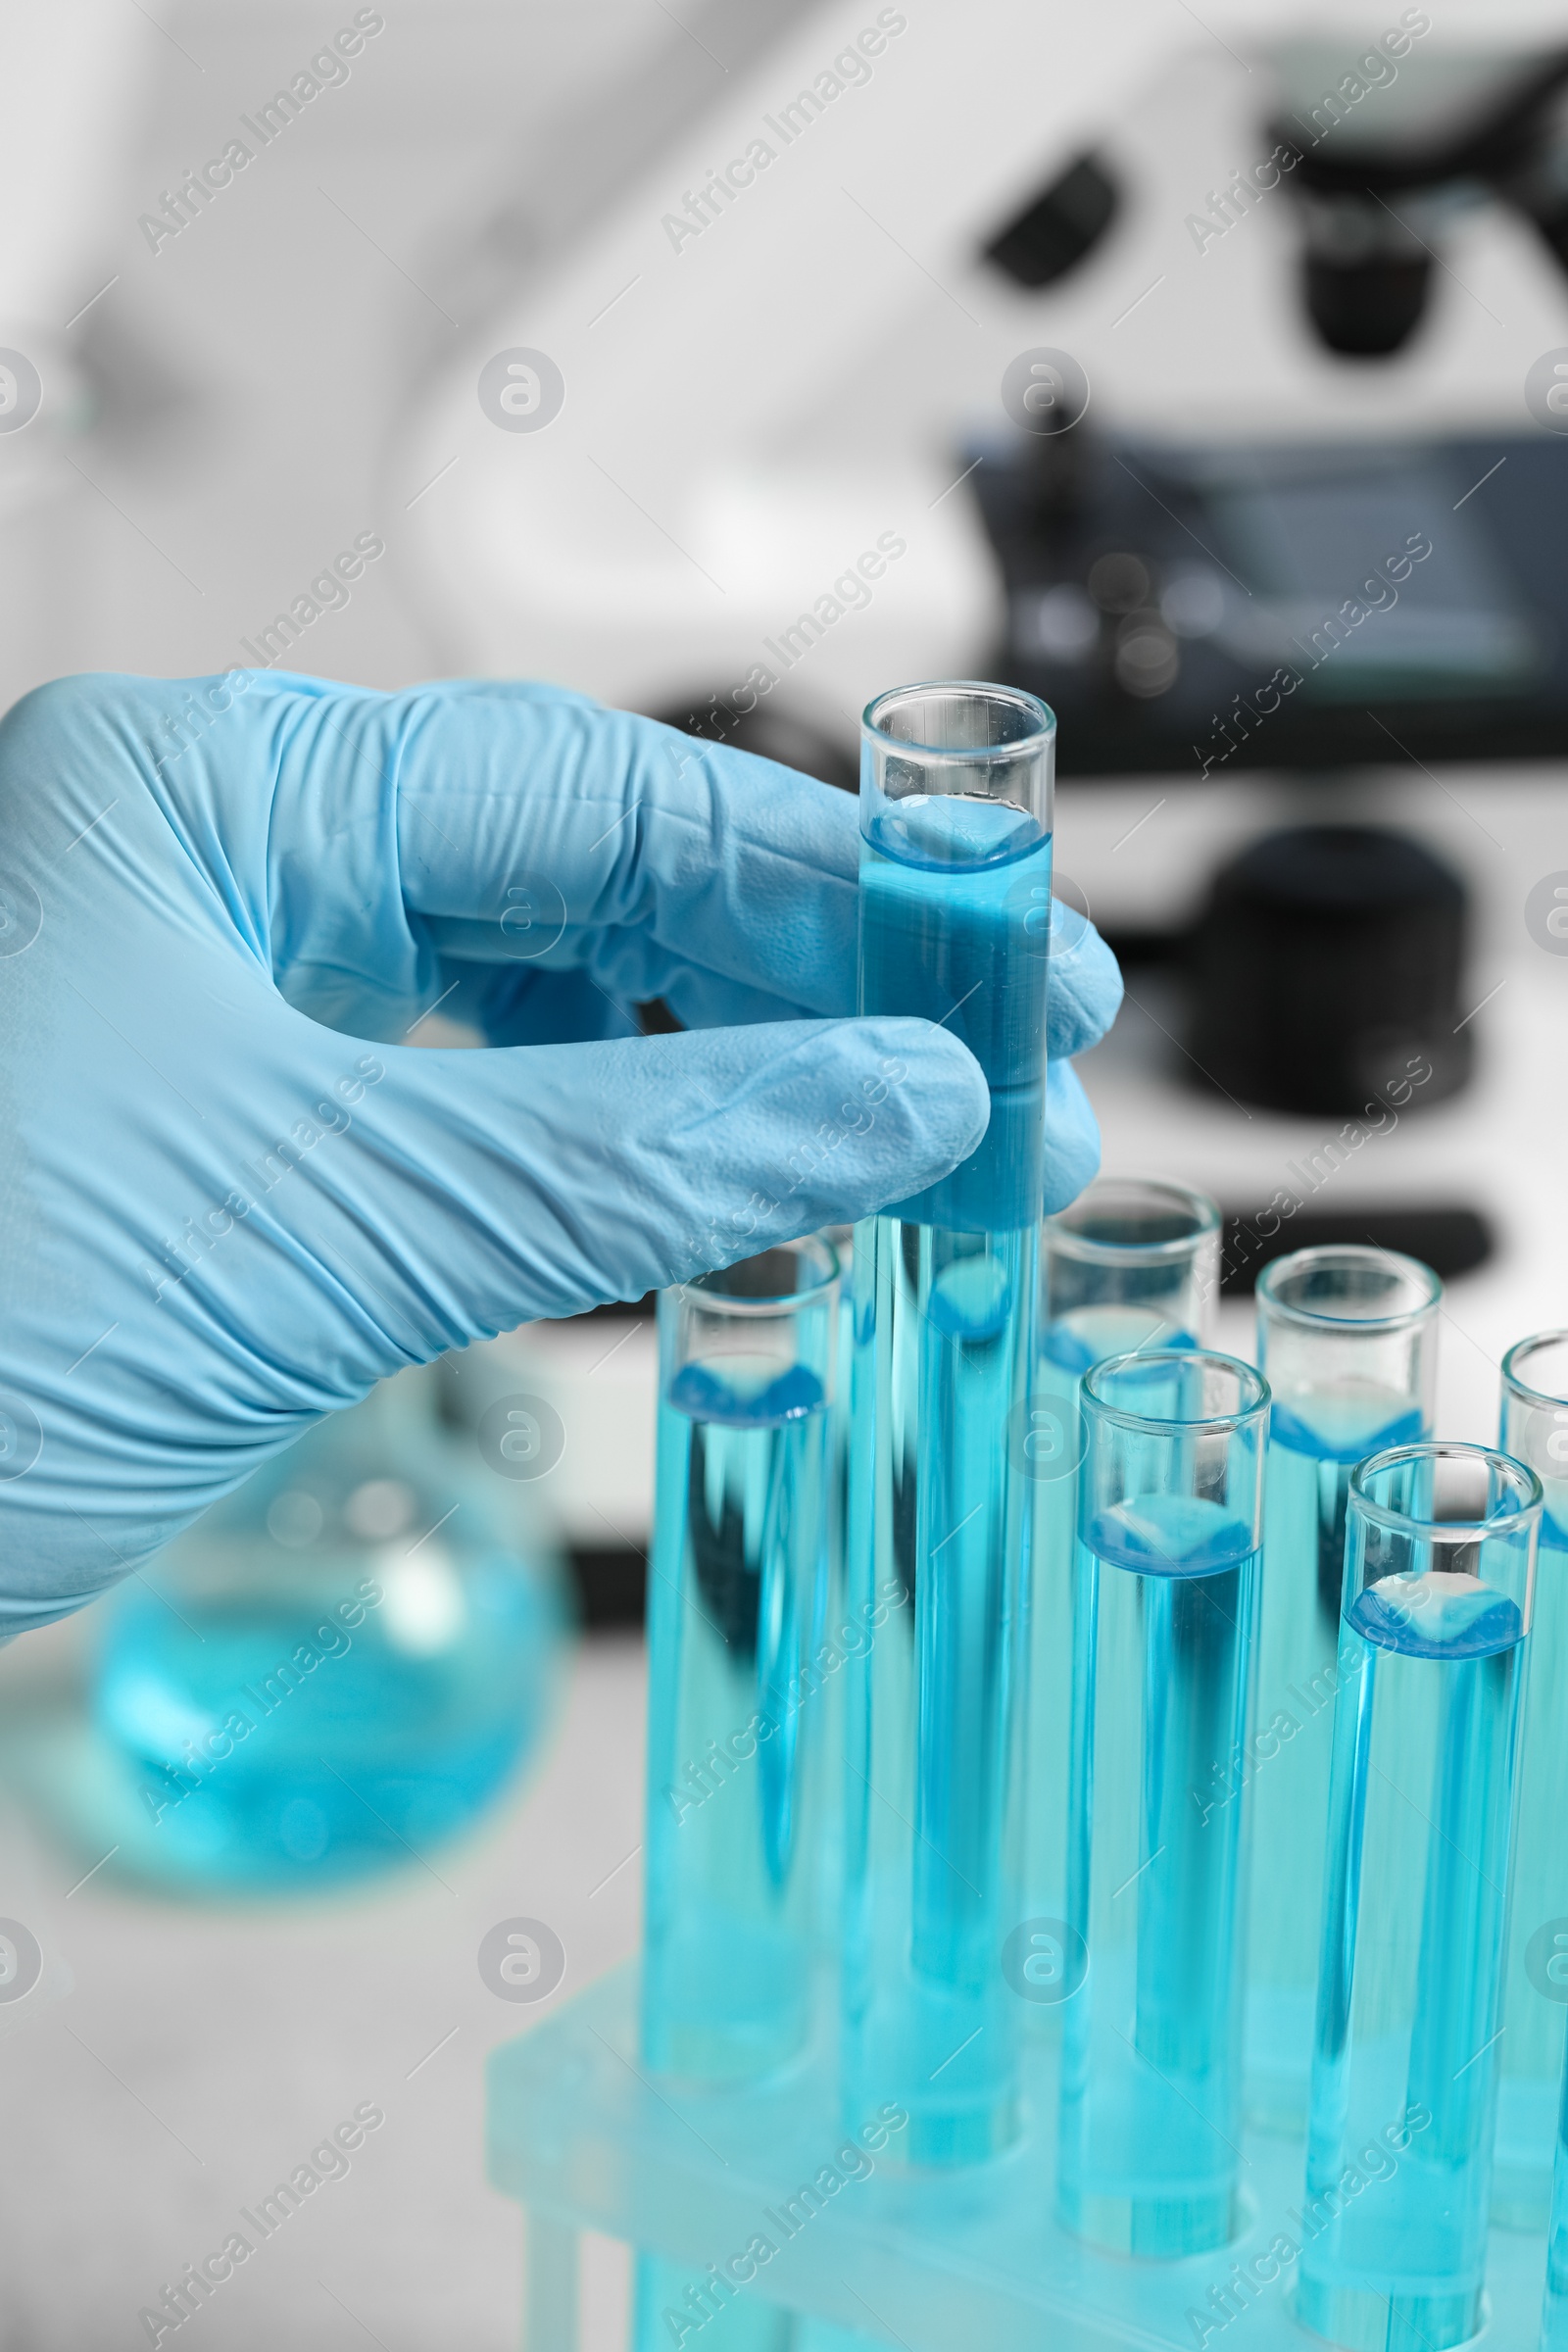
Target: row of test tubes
<point>1028,1669</point>
<point>1243,1773</point>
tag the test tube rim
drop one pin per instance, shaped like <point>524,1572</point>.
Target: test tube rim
<point>1365,1254</point>
<point>1089,1248</point>
<point>1448,1532</point>
<point>1147,1358</point>
<point>782,1302</point>
<point>1043,730</point>
<point>1521,1388</point>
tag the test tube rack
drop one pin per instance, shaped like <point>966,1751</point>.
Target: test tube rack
<point>933,2261</point>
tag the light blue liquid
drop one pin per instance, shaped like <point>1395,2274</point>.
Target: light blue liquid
<point>1532,2049</point>
<point>943,1321</point>
<point>735,1586</point>
<point>1314,1444</point>
<point>1166,1589</point>
<point>1554,2311</point>
<point>293,1722</point>
<point>931,1786</point>
<point>676,2302</point>
<point>1404,2063</point>
<point>966,946</point>
<point>1069,1346</point>
<point>838,1639</point>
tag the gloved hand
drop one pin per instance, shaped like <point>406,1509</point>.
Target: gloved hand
<point>232,1199</point>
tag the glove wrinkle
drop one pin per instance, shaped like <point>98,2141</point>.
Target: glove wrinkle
<point>229,1208</point>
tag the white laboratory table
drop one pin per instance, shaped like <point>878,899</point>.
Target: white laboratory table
<point>201,2054</point>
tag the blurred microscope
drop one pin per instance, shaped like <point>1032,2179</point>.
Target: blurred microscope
<point>1221,398</point>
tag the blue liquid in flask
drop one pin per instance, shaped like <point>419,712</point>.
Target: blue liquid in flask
<point>335,1670</point>
<point>738,1569</point>
<point>1314,1444</point>
<point>1164,1606</point>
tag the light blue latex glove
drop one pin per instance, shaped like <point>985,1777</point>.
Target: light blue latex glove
<point>231,1200</point>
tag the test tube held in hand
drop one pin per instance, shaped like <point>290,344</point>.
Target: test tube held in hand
<point>955,914</point>
<point>1438,1567</point>
<point>1347,1339</point>
<point>836,1638</point>
<point>1170,1511</point>
<point>735,1594</point>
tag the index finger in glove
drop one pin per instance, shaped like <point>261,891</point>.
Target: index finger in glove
<point>644,851</point>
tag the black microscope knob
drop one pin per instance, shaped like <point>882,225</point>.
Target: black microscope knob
<point>1326,969</point>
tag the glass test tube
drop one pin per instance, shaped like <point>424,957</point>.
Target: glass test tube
<point>837,1632</point>
<point>736,1575</point>
<point>1554,2309</point>
<point>1131,1264</point>
<point>955,807</point>
<point>1535,1431</point>
<point>1440,1560</point>
<point>1349,1340</point>
<point>1170,1514</point>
